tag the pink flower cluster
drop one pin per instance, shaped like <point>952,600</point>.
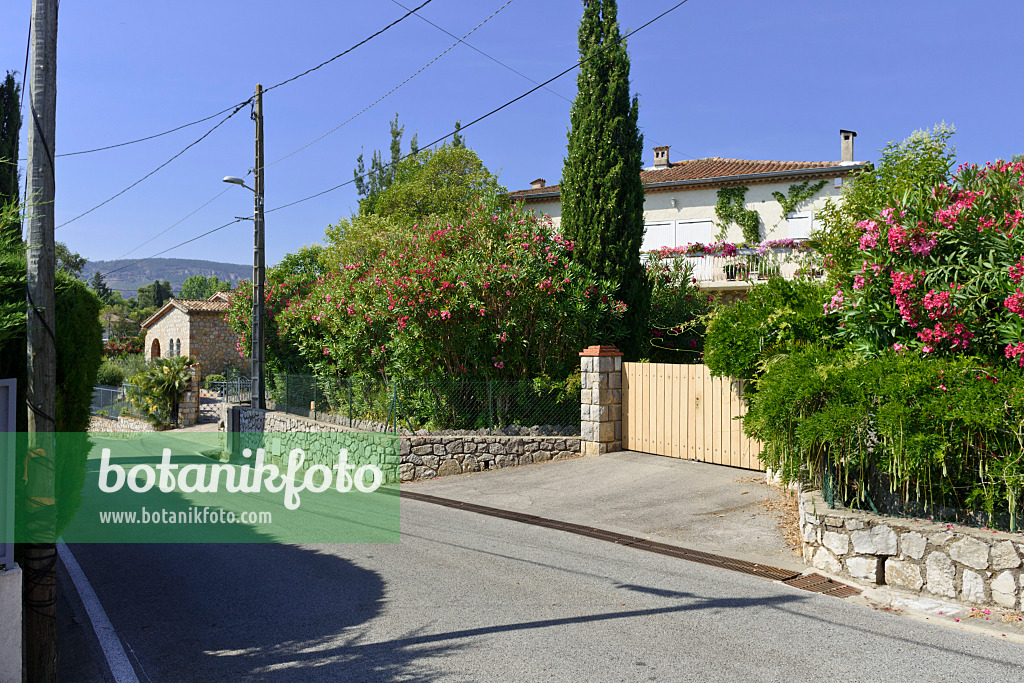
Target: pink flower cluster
<point>1015,302</point>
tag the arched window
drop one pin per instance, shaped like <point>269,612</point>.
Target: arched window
<point>177,347</point>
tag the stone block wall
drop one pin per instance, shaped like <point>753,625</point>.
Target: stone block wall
<point>425,457</point>
<point>941,560</point>
<point>601,400</point>
<point>188,408</point>
<point>214,344</point>
<point>119,425</point>
<point>171,328</point>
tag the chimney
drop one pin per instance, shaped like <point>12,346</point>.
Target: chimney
<point>661,157</point>
<point>538,183</point>
<point>847,137</point>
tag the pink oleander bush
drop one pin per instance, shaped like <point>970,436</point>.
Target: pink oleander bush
<point>940,270</point>
<point>496,295</point>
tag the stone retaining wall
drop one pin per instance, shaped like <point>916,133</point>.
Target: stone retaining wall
<point>942,560</point>
<point>425,457</point>
<point>120,425</point>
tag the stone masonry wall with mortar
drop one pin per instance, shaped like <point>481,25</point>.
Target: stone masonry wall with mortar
<point>946,561</point>
<point>171,328</point>
<point>120,425</point>
<point>213,343</point>
<point>601,400</point>
<point>425,457</point>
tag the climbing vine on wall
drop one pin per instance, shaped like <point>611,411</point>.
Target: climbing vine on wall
<point>729,209</point>
<point>798,193</point>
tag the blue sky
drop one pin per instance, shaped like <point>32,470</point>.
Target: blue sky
<point>731,78</point>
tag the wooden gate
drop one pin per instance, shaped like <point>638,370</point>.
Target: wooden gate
<point>683,412</point>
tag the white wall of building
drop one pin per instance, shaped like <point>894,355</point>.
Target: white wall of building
<point>693,218</point>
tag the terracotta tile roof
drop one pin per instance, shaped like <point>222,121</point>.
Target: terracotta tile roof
<point>188,306</point>
<point>713,169</point>
<point>200,305</point>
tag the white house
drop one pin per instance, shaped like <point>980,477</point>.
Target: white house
<point>680,199</point>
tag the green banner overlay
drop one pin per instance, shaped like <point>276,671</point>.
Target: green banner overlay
<point>203,487</point>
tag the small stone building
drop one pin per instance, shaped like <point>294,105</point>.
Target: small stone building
<point>196,328</point>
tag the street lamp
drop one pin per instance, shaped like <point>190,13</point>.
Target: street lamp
<point>258,395</point>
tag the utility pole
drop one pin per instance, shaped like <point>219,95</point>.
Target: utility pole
<point>40,593</point>
<point>259,266</point>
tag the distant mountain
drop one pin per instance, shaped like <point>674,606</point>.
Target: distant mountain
<point>174,270</point>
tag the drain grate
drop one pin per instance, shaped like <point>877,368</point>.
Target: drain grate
<point>712,560</point>
<point>816,583</point>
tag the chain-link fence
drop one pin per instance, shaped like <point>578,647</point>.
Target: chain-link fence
<point>111,402</point>
<point>472,405</point>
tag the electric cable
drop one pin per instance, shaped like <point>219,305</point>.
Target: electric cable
<point>187,147</point>
<point>390,92</point>
<point>493,111</point>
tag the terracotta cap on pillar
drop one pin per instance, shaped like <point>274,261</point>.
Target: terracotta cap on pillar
<point>601,351</point>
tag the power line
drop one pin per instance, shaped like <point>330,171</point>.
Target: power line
<point>215,115</point>
<point>493,111</point>
<point>173,225</point>
<point>187,147</point>
<point>496,60</point>
<point>180,244</point>
<point>441,139</point>
<point>475,49</point>
<point>342,54</point>
<point>155,135</point>
<point>390,92</point>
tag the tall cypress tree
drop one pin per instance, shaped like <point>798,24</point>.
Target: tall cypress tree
<point>10,128</point>
<point>602,195</point>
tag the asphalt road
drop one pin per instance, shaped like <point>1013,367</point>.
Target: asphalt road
<point>465,597</point>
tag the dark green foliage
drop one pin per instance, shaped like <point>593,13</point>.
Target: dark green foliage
<point>201,287</point>
<point>679,312</point>
<point>10,127</point>
<point>777,317</point>
<point>70,262</point>
<point>922,436</point>
<point>729,209</point>
<point>381,175</point>
<point>602,195</point>
<point>79,349</point>
<point>155,295</point>
<point>100,288</point>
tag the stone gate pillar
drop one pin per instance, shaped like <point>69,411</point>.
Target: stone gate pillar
<point>601,400</point>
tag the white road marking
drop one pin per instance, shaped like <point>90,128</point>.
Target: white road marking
<point>117,660</point>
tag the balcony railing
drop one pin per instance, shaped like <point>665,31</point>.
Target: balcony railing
<point>750,266</point>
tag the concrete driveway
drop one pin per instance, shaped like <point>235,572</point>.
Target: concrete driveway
<point>705,507</point>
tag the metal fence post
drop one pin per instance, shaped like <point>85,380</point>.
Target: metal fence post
<point>490,406</point>
<point>287,390</point>
<point>348,381</point>
<point>314,396</point>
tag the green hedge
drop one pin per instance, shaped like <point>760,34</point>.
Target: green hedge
<point>907,434</point>
<point>79,337</point>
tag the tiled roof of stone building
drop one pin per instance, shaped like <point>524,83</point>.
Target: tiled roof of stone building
<point>187,306</point>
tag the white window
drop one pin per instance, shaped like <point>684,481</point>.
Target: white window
<point>658,235</point>
<point>699,230</point>
<point>798,225</point>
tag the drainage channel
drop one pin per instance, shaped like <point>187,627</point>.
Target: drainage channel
<point>814,583</point>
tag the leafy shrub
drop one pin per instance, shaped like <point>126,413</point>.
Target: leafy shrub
<point>494,296</point>
<point>110,374</point>
<point>157,392</point>
<point>776,318</point>
<point>926,436</point>
<point>216,378</point>
<point>679,310</point>
<point>79,344</point>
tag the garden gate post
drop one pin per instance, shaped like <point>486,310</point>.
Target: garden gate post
<point>601,400</point>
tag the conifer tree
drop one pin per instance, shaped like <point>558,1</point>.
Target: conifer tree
<point>10,127</point>
<point>602,195</point>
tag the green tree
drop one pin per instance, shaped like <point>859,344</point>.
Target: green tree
<point>69,261</point>
<point>100,288</point>
<point>380,176</point>
<point>154,295</point>
<point>446,183</point>
<point>602,196</point>
<point>10,129</point>
<point>201,287</point>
